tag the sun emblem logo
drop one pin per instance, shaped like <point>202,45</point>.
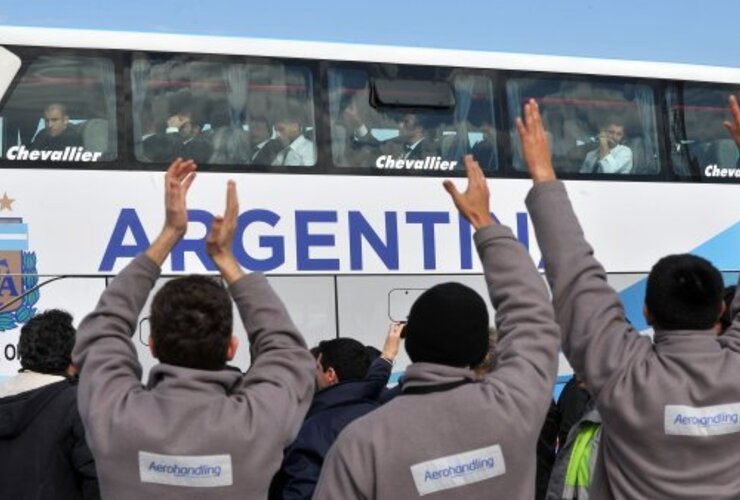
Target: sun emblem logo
<point>18,275</point>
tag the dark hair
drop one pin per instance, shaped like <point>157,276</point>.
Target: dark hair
<point>261,119</point>
<point>684,292</point>
<point>46,342</point>
<point>191,322</point>
<point>292,112</point>
<point>347,356</point>
<point>726,319</point>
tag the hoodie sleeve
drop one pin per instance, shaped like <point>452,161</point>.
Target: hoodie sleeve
<point>104,353</point>
<point>279,384</point>
<point>597,339</point>
<point>527,354</point>
<point>377,377</point>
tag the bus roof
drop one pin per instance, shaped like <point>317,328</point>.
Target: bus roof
<point>72,38</point>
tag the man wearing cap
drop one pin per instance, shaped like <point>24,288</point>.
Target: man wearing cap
<point>448,431</point>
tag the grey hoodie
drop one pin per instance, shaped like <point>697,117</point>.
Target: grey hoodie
<point>670,406</point>
<point>476,440</point>
<point>189,433</point>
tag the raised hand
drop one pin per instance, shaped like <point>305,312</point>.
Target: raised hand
<point>220,240</point>
<point>473,204</point>
<point>734,125</point>
<point>392,341</point>
<point>177,182</point>
<point>534,144</point>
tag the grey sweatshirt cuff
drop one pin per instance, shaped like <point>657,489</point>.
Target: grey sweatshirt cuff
<point>147,265</point>
<point>491,232</point>
<point>542,189</point>
<point>246,281</point>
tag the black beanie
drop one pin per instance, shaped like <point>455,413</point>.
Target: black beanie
<point>448,325</point>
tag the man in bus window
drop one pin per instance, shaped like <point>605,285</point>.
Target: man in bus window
<point>181,139</point>
<point>298,150</point>
<point>734,126</point>
<point>413,141</point>
<point>264,148</point>
<point>612,156</point>
<point>57,134</point>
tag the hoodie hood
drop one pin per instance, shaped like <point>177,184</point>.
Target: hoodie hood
<point>18,411</point>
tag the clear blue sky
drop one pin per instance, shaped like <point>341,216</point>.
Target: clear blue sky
<point>698,32</point>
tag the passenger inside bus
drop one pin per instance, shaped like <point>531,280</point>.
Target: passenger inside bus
<point>298,150</point>
<point>484,151</point>
<point>611,156</point>
<point>413,142</point>
<point>57,134</point>
<point>182,138</point>
<point>264,147</point>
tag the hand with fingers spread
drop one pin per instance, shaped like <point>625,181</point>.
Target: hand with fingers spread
<point>734,125</point>
<point>220,240</point>
<point>473,204</point>
<point>177,181</point>
<point>534,144</point>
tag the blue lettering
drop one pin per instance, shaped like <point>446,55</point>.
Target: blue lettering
<point>128,220</point>
<point>427,221</point>
<point>522,229</point>
<point>197,246</point>
<point>466,243</point>
<point>8,285</point>
<point>359,228</point>
<point>306,240</point>
<point>275,243</point>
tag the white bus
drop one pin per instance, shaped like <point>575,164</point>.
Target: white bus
<point>350,222</point>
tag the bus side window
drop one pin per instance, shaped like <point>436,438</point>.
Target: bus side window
<point>441,120</point>
<point>62,110</point>
<point>596,127</point>
<point>700,146</point>
<point>222,112</point>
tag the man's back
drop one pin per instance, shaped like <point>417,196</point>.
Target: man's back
<point>426,440</point>
<point>447,432</point>
<point>189,429</point>
<point>670,407</point>
<point>676,401</point>
<point>42,446</point>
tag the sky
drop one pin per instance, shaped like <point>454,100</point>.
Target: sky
<point>688,31</point>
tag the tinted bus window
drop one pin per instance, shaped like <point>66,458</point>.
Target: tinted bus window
<point>222,112</point>
<point>63,109</point>
<point>595,127</point>
<point>424,134</point>
<point>700,145</point>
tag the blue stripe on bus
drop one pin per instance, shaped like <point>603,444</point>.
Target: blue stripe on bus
<point>13,245</point>
<point>722,249</point>
<point>14,229</point>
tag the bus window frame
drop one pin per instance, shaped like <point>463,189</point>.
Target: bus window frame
<point>658,104</point>
<point>695,177</point>
<point>318,69</point>
<point>381,70</point>
<point>310,65</point>
<point>29,55</point>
